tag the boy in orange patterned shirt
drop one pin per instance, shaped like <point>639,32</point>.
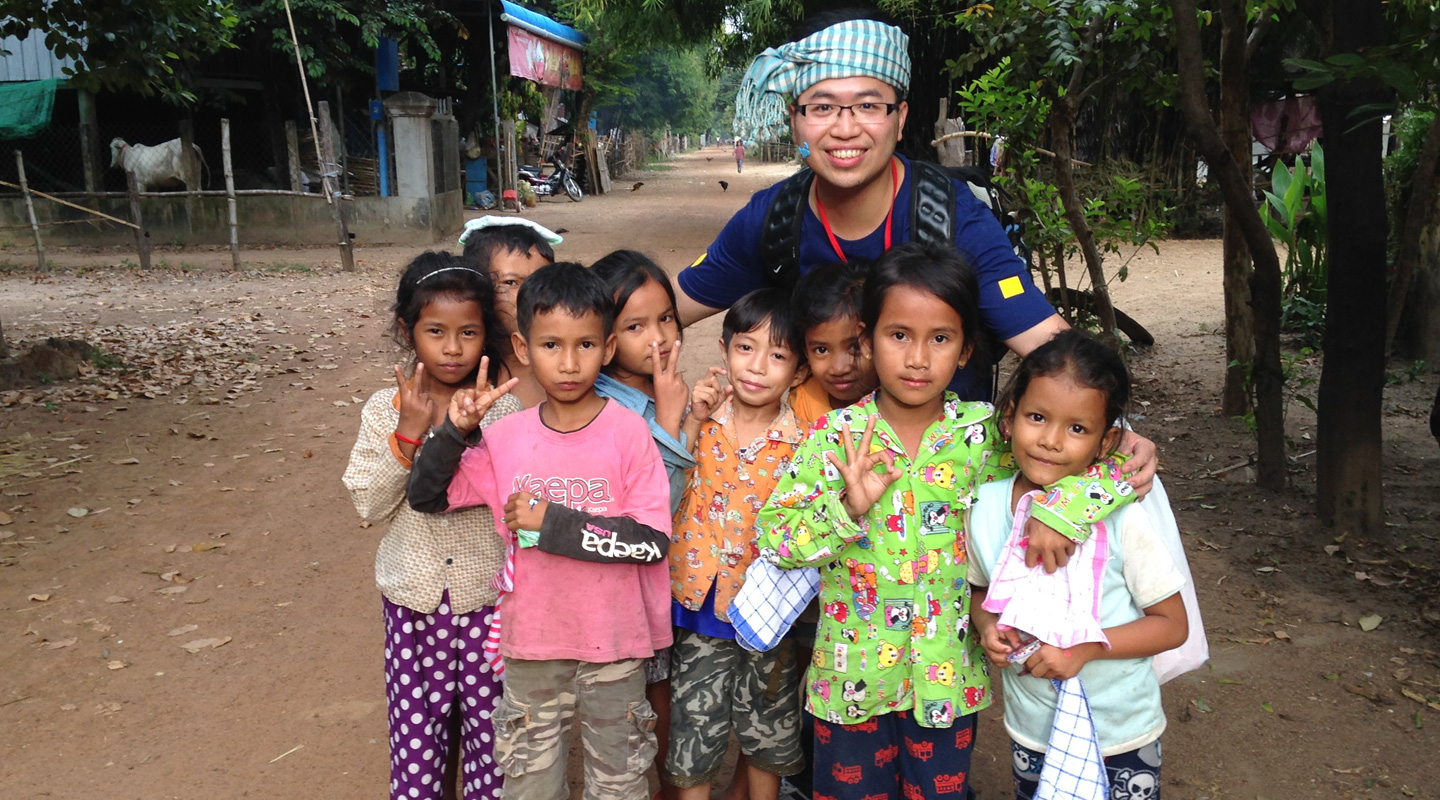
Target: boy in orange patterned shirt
<point>744,436</point>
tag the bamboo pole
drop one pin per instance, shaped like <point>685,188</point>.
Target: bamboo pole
<point>329,171</point>
<point>30,209</point>
<point>230,192</point>
<point>142,236</point>
<point>73,205</point>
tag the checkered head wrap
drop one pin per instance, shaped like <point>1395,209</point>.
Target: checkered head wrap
<point>856,48</point>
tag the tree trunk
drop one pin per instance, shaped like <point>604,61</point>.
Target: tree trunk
<point>1352,381</point>
<point>1062,120</point>
<point>1267,379</point>
<point>1420,214</point>
<point>1235,130</point>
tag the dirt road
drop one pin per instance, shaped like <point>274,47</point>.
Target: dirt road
<point>194,500</point>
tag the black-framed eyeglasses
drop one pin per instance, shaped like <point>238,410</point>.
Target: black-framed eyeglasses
<point>863,112</point>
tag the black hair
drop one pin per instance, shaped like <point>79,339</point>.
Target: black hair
<point>817,22</point>
<point>932,267</point>
<point>759,307</point>
<point>483,244</point>
<point>625,271</point>
<point>1082,357</point>
<point>433,275</point>
<point>565,286</point>
<point>830,291</point>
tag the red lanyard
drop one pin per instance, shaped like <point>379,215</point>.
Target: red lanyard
<point>825,221</point>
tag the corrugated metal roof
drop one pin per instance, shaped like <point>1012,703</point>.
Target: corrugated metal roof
<point>30,60</point>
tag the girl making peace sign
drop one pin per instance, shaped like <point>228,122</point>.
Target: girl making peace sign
<point>434,572</point>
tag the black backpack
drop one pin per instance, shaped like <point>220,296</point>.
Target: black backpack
<point>932,219</point>
<point>932,214</point>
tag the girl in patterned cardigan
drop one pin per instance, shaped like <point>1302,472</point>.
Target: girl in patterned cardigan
<point>435,572</point>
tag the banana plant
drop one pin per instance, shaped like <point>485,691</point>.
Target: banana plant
<point>1300,221</point>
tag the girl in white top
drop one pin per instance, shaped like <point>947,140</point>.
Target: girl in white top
<point>1118,603</point>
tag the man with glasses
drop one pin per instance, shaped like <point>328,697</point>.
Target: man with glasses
<point>840,88</point>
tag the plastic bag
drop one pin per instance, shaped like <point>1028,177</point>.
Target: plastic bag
<point>1196,650</point>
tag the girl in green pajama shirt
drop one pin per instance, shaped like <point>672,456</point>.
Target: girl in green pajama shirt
<point>876,498</point>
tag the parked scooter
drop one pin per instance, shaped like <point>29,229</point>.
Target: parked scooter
<point>561,180</point>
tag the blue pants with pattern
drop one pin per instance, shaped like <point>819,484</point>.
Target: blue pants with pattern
<point>893,756</point>
<point>1133,775</point>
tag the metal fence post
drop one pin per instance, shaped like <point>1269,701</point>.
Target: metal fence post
<point>30,209</point>
<point>230,191</point>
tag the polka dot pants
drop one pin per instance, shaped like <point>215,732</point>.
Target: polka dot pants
<point>433,663</point>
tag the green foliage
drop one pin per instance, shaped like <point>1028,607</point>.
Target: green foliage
<point>1298,218</point>
<point>669,88</point>
<point>1117,204</point>
<point>339,36</point>
<point>138,45</point>
<point>1410,127</point>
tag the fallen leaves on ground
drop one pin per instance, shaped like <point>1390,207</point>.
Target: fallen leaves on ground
<point>206,644</point>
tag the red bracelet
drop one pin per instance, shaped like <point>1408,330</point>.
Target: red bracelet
<point>406,439</point>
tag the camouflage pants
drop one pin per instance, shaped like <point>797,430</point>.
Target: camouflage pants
<point>617,728</point>
<point>717,686</point>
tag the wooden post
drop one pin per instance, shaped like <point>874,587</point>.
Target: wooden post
<point>230,192</point>
<point>292,151</point>
<point>142,235</point>
<point>329,171</point>
<point>90,158</point>
<point>188,167</point>
<point>30,209</point>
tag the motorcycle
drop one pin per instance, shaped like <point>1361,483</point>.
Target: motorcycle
<point>561,179</point>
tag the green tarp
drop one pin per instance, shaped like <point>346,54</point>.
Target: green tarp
<point>25,108</point>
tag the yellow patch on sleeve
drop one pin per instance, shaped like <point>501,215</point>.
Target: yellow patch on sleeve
<point>1011,286</point>
<point>698,260</point>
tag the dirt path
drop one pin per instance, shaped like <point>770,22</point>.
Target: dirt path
<point>213,516</point>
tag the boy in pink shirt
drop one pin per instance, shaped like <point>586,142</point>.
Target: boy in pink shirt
<point>590,600</point>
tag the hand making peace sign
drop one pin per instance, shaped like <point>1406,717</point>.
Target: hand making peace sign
<point>671,393</point>
<point>863,485</point>
<point>468,406</point>
<point>417,407</point>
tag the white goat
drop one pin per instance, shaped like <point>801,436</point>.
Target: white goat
<point>155,166</point>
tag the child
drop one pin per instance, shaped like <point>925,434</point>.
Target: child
<point>509,250</point>
<point>895,681</point>
<point>743,443</point>
<point>644,377</point>
<point>434,573</point>
<point>739,154</point>
<point>1060,413</point>
<point>589,599</point>
<point>644,374</point>
<point>827,309</point>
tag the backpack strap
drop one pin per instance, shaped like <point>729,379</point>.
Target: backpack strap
<point>932,203</point>
<point>780,232</point>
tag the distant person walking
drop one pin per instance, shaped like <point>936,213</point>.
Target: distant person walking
<point>739,154</point>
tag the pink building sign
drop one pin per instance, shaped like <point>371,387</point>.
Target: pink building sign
<point>543,61</point>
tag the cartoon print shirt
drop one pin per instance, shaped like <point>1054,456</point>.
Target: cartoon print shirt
<point>895,621</point>
<point>715,534</point>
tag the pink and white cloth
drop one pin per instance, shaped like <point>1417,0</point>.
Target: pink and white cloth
<point>1060,608</point>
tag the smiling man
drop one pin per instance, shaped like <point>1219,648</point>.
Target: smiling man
<point>840,87</point>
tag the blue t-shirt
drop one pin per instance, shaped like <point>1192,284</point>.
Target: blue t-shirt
<point>1009,302</point>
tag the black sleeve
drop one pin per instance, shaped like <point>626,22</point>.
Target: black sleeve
<point>603,540</point>
<point>435,465</point>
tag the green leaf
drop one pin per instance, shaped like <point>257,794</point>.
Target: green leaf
<point>1313,81</point>
<point>1370,622</point>
<point>1268,708</point>
<point>1201,705</point>
<point>1346,60</point>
